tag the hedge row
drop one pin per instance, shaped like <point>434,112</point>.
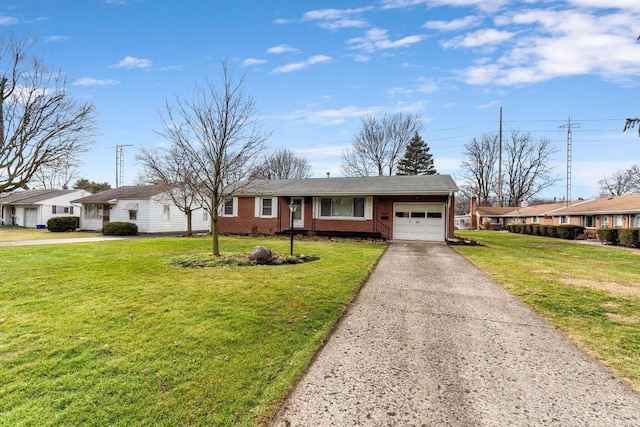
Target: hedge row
<point>629,237</point>
<point>63,223</point>
<point>565,231</point>
<point>120,228</point>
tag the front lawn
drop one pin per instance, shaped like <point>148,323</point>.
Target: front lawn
<point>110,333</point>
<point>14,234</point>
<point>591,293</point>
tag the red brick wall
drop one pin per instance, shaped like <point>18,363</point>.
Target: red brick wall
<point>247,223</point>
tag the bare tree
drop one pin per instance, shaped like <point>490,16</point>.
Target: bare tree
<point>217,130</point>
<point>171,168</point>
<point>284,164</point>
<point>527,165</point>
<point>379,145</point>
<point>631,123</point>
<point>621,183</point>
<point>57,174</point>
<point>40,125</point>
<point>480,167</point>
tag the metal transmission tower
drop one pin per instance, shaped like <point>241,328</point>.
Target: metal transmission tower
<point>120,163</point>
<point>569,126</point>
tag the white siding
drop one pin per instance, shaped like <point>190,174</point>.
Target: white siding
<point>150,217</point>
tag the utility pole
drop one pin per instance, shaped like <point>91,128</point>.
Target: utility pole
<point>569,126</point>
<point>500,165</point>
<point>120,163</point>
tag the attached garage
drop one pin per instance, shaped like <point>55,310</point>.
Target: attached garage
<point>419,221</point>
<point>30,217</point>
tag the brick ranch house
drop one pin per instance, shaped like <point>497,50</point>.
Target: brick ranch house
<point>606,212</point>
<point>388,207</point>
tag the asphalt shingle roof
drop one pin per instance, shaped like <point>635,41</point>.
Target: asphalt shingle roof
<point>361,186</point>
<point>131,192</point>
<point>29,197</point>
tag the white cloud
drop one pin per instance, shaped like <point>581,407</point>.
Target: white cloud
<point>130,62</point>
<point>484,37</point>
<point>249,62</point>
<point>296,66</point>
<point>90,81</point>
<point>377,39</point>
<point>57,38</point>
<point>8,20</point>
<point>554,44</point>
<point>454,25</point>
<point>283,48</point>
<point>334,19</point>
<point>484,5</point>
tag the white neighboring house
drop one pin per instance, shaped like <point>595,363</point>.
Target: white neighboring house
<point>147,206</point>
<point>33,208</point>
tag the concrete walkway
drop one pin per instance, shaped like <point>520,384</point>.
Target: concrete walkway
<point>433,341</point>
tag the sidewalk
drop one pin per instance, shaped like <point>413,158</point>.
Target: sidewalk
<point>431,340</point>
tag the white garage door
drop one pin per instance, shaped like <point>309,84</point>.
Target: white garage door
<point>30,217</point>
<point>419,221</point>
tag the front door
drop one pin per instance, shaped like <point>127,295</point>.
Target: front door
<point>298,215</point>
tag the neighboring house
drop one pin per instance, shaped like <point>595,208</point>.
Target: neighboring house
<point>608,212</point>
<point>491,218</point>
<point>147,206</point>
<point>390,207</point>
<point>33,208</point>
<point>462,222</point>
<point>540,214</point>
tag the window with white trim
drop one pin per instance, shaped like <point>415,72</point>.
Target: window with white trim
<point>93,211</point>
<point>565,219</point>
<point>342,207</point>
<point>635,221</point>
<point>604,221</point>
<point>166,212</point>
<point>617,221</point>
<point>266,207</point>
<point>535,220</point>
<point>229,207</point>
<point>589,221</point>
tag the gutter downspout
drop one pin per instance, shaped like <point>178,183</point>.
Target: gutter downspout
<point>448,213</point>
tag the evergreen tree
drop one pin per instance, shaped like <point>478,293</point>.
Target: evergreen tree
<point>417,160</point>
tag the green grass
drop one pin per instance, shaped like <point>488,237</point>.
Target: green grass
<point>14,234</point>
<point>109,333</point>
<point>591,293</point>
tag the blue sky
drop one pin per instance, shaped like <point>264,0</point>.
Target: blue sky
<point>315,67</point>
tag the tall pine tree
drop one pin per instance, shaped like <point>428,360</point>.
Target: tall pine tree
<point>417,160</point>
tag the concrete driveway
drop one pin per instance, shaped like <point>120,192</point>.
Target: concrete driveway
<point>433,341</point>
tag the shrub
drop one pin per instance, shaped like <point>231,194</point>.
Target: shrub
<point>552,230</point>
<point>120,228</point>
<point>569,232</point>
<point>535,229</point>
<point>542,229</point>
<point>63,223</point>
<point>511,228</point>
<point>609,236</point>
<point>629,237</point>
<point>528,229</point>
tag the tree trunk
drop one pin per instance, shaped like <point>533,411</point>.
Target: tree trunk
<point>214,235</point>
<point>189,222</point>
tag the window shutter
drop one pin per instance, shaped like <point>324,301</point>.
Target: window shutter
<point>258,212</point>
<point>71,210</point>
<point>53,209</point>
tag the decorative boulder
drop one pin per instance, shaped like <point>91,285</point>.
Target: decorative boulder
<point>261,255</point>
